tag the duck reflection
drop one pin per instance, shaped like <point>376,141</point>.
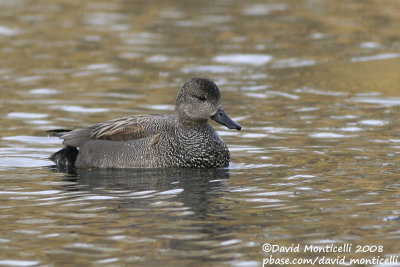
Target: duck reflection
<point>191,187</point>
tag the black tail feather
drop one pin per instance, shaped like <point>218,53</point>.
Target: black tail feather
<point>65,157</point>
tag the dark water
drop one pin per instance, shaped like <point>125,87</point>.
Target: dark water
<point>315,85</point>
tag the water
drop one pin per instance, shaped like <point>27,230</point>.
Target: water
<point>313,83</point>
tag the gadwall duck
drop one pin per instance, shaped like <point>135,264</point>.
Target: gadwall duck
<point>151,141</point>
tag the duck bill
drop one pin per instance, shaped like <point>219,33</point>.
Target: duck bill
<point>221,117</point>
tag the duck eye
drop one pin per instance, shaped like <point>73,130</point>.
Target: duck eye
<point>202,98</point>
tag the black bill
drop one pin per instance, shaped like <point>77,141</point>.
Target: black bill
<point>221,117</point>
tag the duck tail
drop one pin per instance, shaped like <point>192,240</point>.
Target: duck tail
<point>57,132</point>
<point>65,157</point>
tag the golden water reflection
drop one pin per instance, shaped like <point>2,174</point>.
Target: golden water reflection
<point>313,83</point>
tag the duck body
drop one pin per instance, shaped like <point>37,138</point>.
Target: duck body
<point>184,139</point>
<point>169,144</point>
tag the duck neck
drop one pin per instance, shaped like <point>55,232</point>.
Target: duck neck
<point>188,123</point>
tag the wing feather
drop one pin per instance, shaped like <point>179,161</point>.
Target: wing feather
<point>122,129</point>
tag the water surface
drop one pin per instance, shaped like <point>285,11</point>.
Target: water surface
<point>313,83</point>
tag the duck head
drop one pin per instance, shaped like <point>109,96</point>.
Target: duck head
<point>199,100</point>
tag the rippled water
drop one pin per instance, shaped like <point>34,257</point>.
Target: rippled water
<point>315,85</point>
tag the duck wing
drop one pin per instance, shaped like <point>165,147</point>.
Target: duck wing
<point>122,129</point>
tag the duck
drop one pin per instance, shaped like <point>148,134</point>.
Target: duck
<point>183,139</point>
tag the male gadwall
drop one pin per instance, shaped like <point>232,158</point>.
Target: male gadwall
<point>150,141</point>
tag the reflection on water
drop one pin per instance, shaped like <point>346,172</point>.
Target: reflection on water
<point>190,187</point>
<point>314,86</point>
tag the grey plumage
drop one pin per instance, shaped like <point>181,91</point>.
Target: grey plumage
<point>139,141</point>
